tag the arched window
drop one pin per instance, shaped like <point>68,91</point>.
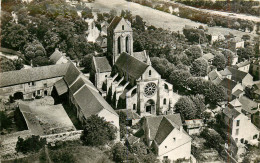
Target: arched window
<point>166,86</point>
<point>119,45</point>
<point>164,101</point>
<point>150,72</point>
<point>134,107</point>
<point>127,44</point>
<point>123,27</point>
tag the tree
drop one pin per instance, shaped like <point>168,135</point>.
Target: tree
<point>33,50</point>
<point>185,106</point>
<point>14,36</point>
<point>86,62</point>
<point>219,61</point>
<point>246,37</point>
<point>97,131</point>
<point>230,56</point>
<point>41,61</point>
<point>179,78</point>
<point>194,52</point>
<point>199,103</point>
<point>87,13</point>
<point>62,157</point>
<point>121,154</point>
<point>199,67</point>
<point>195,35</point>
<point>6,64</point>
<point>245,53</point>
<point>31,144</point>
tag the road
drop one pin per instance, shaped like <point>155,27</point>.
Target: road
<point>157,18</point>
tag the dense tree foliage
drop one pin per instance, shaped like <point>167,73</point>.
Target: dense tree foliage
<point>199,68</point>
<point>219,61</point>
<point>31,144</point>
<point>97,131</point>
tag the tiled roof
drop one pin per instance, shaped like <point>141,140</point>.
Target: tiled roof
<point>237,75</point>
<point>231,113</point>
<point>141,56</point>
<point>208,56</point>
<point>71,74</point>
<point>154,122</point>
<point>61,87</point>
<point>242,64</point>
<point>213,75</point>
<point>164,130</point>
<point>91,102</point>
<point>237,93</point>
<point>228,84</point>
<point>34,74</point>
<point>114,23</point>
<point>194,123</point>
<point>102,64</point>
<point>56,55</point>
<point>225,72</point>
<point>245,101</point>
<point>130,114</point>
<point>235,103</point>
<point>77,85</point>
<point>130,65</point>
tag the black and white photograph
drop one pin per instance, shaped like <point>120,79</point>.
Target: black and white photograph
<point>130,81</point>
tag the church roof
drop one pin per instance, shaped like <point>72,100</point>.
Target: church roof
<point>33,74</point>
<point>130,65</point>
<point>114,23</point>
<point>91,102</point>
<point>102,64</point>
<point>141,56</point>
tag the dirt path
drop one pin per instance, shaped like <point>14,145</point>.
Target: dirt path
<point>47,154</point>
<point>157,18</point>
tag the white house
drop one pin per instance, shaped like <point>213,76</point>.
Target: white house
<point>166,136</point>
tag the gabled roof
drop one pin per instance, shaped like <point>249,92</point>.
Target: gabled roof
<point>245,101</point>
<point>235,103</point>
<point>165,128</point>
<point>237,93</point>
<point>154,123</point>
<point>56,55</point>
<point>71,74</point>
<point>225,72</point>
<point>114,23</point>
<point>141,56</point>
<point>214,74</point>
<point>101,64</point>
<point>130,114</point>
<point>237,75</point>
<point>231,113</point>
<point>91,102</point>
<point>130,65</point>
<point>61,87</point>
<point>242,64</point>
<point>34,74</point>
<point>208,56</point>
<point>228,84</point>
<point>77,85</point>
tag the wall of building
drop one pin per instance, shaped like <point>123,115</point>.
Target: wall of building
<point>31,90</point>
<point>175,149</point>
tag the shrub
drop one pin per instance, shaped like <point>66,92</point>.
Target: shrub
<point>31,144</point>
<point>62,157</point>
<point>5,122</point>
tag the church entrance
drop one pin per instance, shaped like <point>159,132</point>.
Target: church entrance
<point>150,106</point>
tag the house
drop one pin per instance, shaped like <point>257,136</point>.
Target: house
<point>243,66</point>
<point>208,57</point>
<point>166,136</point>
<point>230,86</point>
<point>242,77</point>
<point>215,76</point>
<point>58,57</point>
<point>236,43</point>
<point>30,83</point>
<point>249,106</point>
<point>240,126</point>
<point>194,126</point>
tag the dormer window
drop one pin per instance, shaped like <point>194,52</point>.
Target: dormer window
<point>123,27</point>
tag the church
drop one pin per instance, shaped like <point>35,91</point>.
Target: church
<point>127,77</point>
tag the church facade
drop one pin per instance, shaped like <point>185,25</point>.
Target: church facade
<point>131,82</point>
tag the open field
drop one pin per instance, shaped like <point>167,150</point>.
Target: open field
<point>157,18</point>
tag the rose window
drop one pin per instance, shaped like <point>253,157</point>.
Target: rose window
<point>149,89</point>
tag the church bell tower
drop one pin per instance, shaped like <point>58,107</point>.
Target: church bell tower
<point>119,38</point>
